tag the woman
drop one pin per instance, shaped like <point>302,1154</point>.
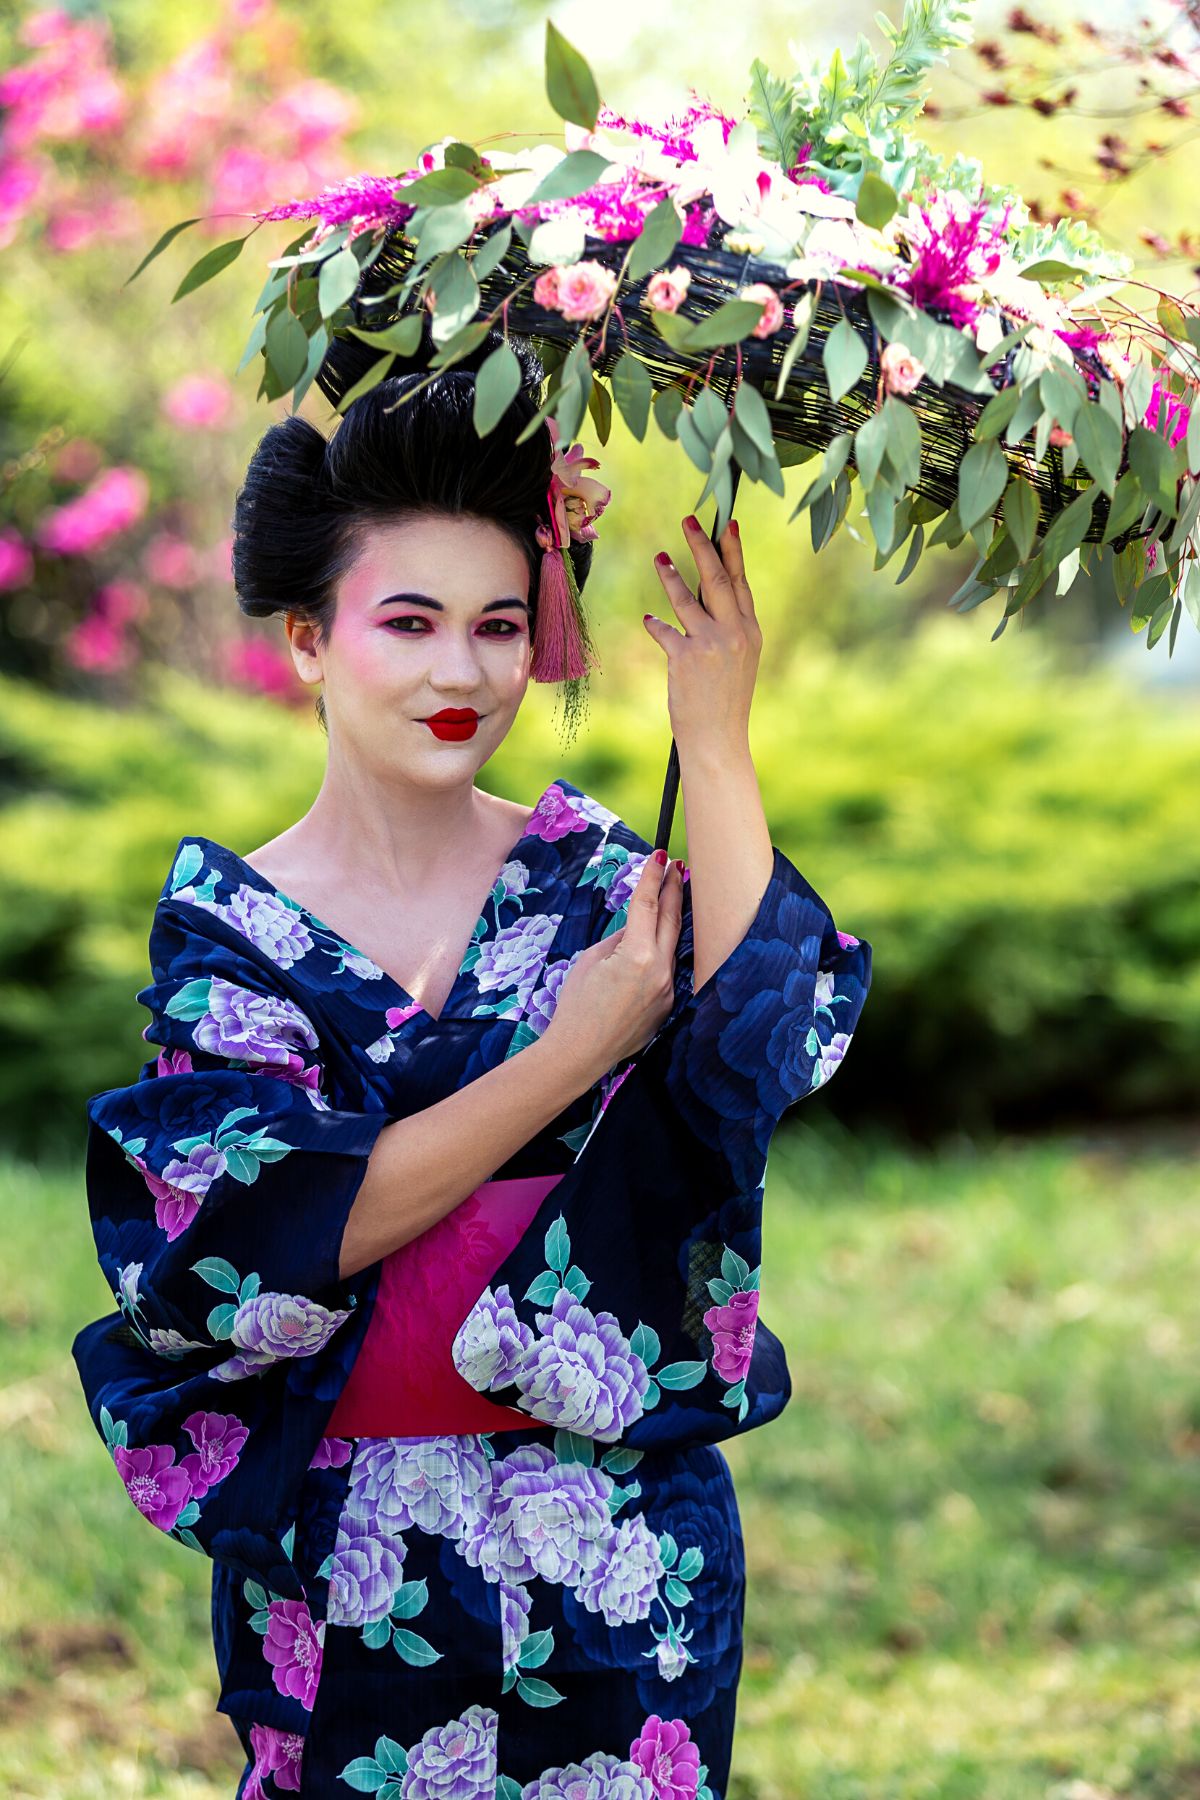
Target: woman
<point>455,1459</point>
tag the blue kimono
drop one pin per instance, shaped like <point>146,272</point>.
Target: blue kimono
<point>547,1612</point>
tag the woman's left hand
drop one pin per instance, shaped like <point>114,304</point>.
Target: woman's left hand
<point>713,662</point>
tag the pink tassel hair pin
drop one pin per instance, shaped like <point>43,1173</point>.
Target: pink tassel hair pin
<point>563,650</point>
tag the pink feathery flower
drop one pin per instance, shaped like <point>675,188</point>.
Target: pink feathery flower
<point>362,201</point>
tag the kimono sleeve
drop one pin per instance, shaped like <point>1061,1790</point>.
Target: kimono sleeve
<point>629,1310</point>
<point>220,1181</point>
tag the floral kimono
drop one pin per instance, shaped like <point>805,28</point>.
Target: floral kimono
<point>471,1532</point>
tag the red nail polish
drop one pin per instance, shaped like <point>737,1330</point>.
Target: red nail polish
<point>663,560</point>
<point>646,616</point>
<point>735,528</point>
<point>693,522</point>
<point>660,857</point>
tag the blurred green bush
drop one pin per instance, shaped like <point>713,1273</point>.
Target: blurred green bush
<point>1019,846</point>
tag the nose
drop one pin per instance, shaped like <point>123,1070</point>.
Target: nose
<point>456,667</point>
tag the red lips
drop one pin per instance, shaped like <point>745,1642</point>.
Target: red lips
<point>453,724</point>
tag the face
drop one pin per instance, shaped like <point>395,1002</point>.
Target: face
<point>432,614</point>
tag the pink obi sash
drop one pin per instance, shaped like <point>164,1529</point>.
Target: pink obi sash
<point>404,1383</point>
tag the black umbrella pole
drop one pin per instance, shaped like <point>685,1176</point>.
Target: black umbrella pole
<point>670,793</point>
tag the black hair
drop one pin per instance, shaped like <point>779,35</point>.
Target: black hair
<point>299,514</point>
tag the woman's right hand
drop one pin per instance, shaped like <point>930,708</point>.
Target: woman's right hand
<point>618,992</point>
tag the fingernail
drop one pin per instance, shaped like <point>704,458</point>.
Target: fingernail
<point>735,528</point>
<point>679,864</point>
<point>692,522</point>
<point>646,616</point>
<point>660,857</point>
<point>663,560</point>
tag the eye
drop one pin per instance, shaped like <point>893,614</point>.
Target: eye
<point>507,626</point>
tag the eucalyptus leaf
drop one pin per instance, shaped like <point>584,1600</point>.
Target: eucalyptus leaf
<point>497,383</point>
<point>441,228</point>
<point>870,447</point>
<point>1068,528</point>
<point>338,280</point>
<point>575,174</point>
<point>1098,438</point>
<point>440,187</point>
<point>732,321</point>
<point>168,237</point>
<point>1157,464</point>
<point>372,378</point>
<point>490,254</point>
<point>210,264</point>
<point>633,391</point>
<point>570,85</point>
<point>1021,509</point>
<point>844,355</point>
<point>751,412</point>
<point>903,439</point>
<point>287,348</point>
<point>876,202</point>
<point>404,336</point>
<point>982,476</point>
<point>661,231</point>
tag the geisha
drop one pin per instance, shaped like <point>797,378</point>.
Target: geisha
<point>433,1224</point>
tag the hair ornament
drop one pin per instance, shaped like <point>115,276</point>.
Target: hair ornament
<point>563,650</point>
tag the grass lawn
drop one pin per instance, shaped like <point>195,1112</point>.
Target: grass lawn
<point>973,1535</point>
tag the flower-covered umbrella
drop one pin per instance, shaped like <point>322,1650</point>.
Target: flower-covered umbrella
<point>810,282</point>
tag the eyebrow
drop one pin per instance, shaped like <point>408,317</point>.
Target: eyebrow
<point>428,600</point>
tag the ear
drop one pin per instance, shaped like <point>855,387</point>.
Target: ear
<point>306,655</point>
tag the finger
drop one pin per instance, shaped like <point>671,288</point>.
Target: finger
<point>735,563</point>
<point>670,908</point>
<point>662,633</point>
<point>688,610</point>
<point>716,588</point>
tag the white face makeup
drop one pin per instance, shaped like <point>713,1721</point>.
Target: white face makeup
<point>433,614</point>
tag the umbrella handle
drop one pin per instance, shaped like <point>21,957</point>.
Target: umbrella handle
<point>666,811</point>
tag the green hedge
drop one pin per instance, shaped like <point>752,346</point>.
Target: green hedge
<point>1018,845</point>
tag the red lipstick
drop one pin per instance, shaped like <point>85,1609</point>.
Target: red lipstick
<point>454,724</point>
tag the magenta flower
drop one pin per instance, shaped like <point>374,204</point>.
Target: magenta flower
<point>157,1488</point>
<point>1177,413</point>
<point>278,1754</point>
<point>732,1327</point>
<point>555,816</point>
<point>293,1647</point>
<point>218,1438</point>
<point>114,501</point>
<point>16,559</point>
<point>664,1751</point>
<point>199,402</point>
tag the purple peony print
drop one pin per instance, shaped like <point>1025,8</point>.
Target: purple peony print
<point>277,930</point>
<point>672,1657</point>
<point>547,1519</point>
<point>257,1028</point>
<point>624,881</point>
<point>292,1646</point>
<point>278,1754</point>
<point>732,1327</point>
<point>364,1572</point>
<point>581,1373</point>
<point>432,1483</point>
<point>491,1341</point>
<point>623,1585</point>
<point>455,1761</point>
<point>273,1325</point>
<point>171,1343</point>
<point>157,1488</point>
<point>218,1438</point>
<point>516,1602</point>
<point>600,1776</point>
<point>664,1751</point>
<point>516,956</point>
<point>545,997</point>
<point>182,1186</point>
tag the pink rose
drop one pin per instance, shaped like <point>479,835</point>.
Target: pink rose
<point>901,370</point>
<point>772,317</point>
<point>584,289</point>
<point>1059,436</point>
<point>667,287</point>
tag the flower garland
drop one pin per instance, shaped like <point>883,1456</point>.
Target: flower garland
<point>971,310</point>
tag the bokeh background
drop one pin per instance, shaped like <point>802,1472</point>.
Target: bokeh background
<point>972,1536</point>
